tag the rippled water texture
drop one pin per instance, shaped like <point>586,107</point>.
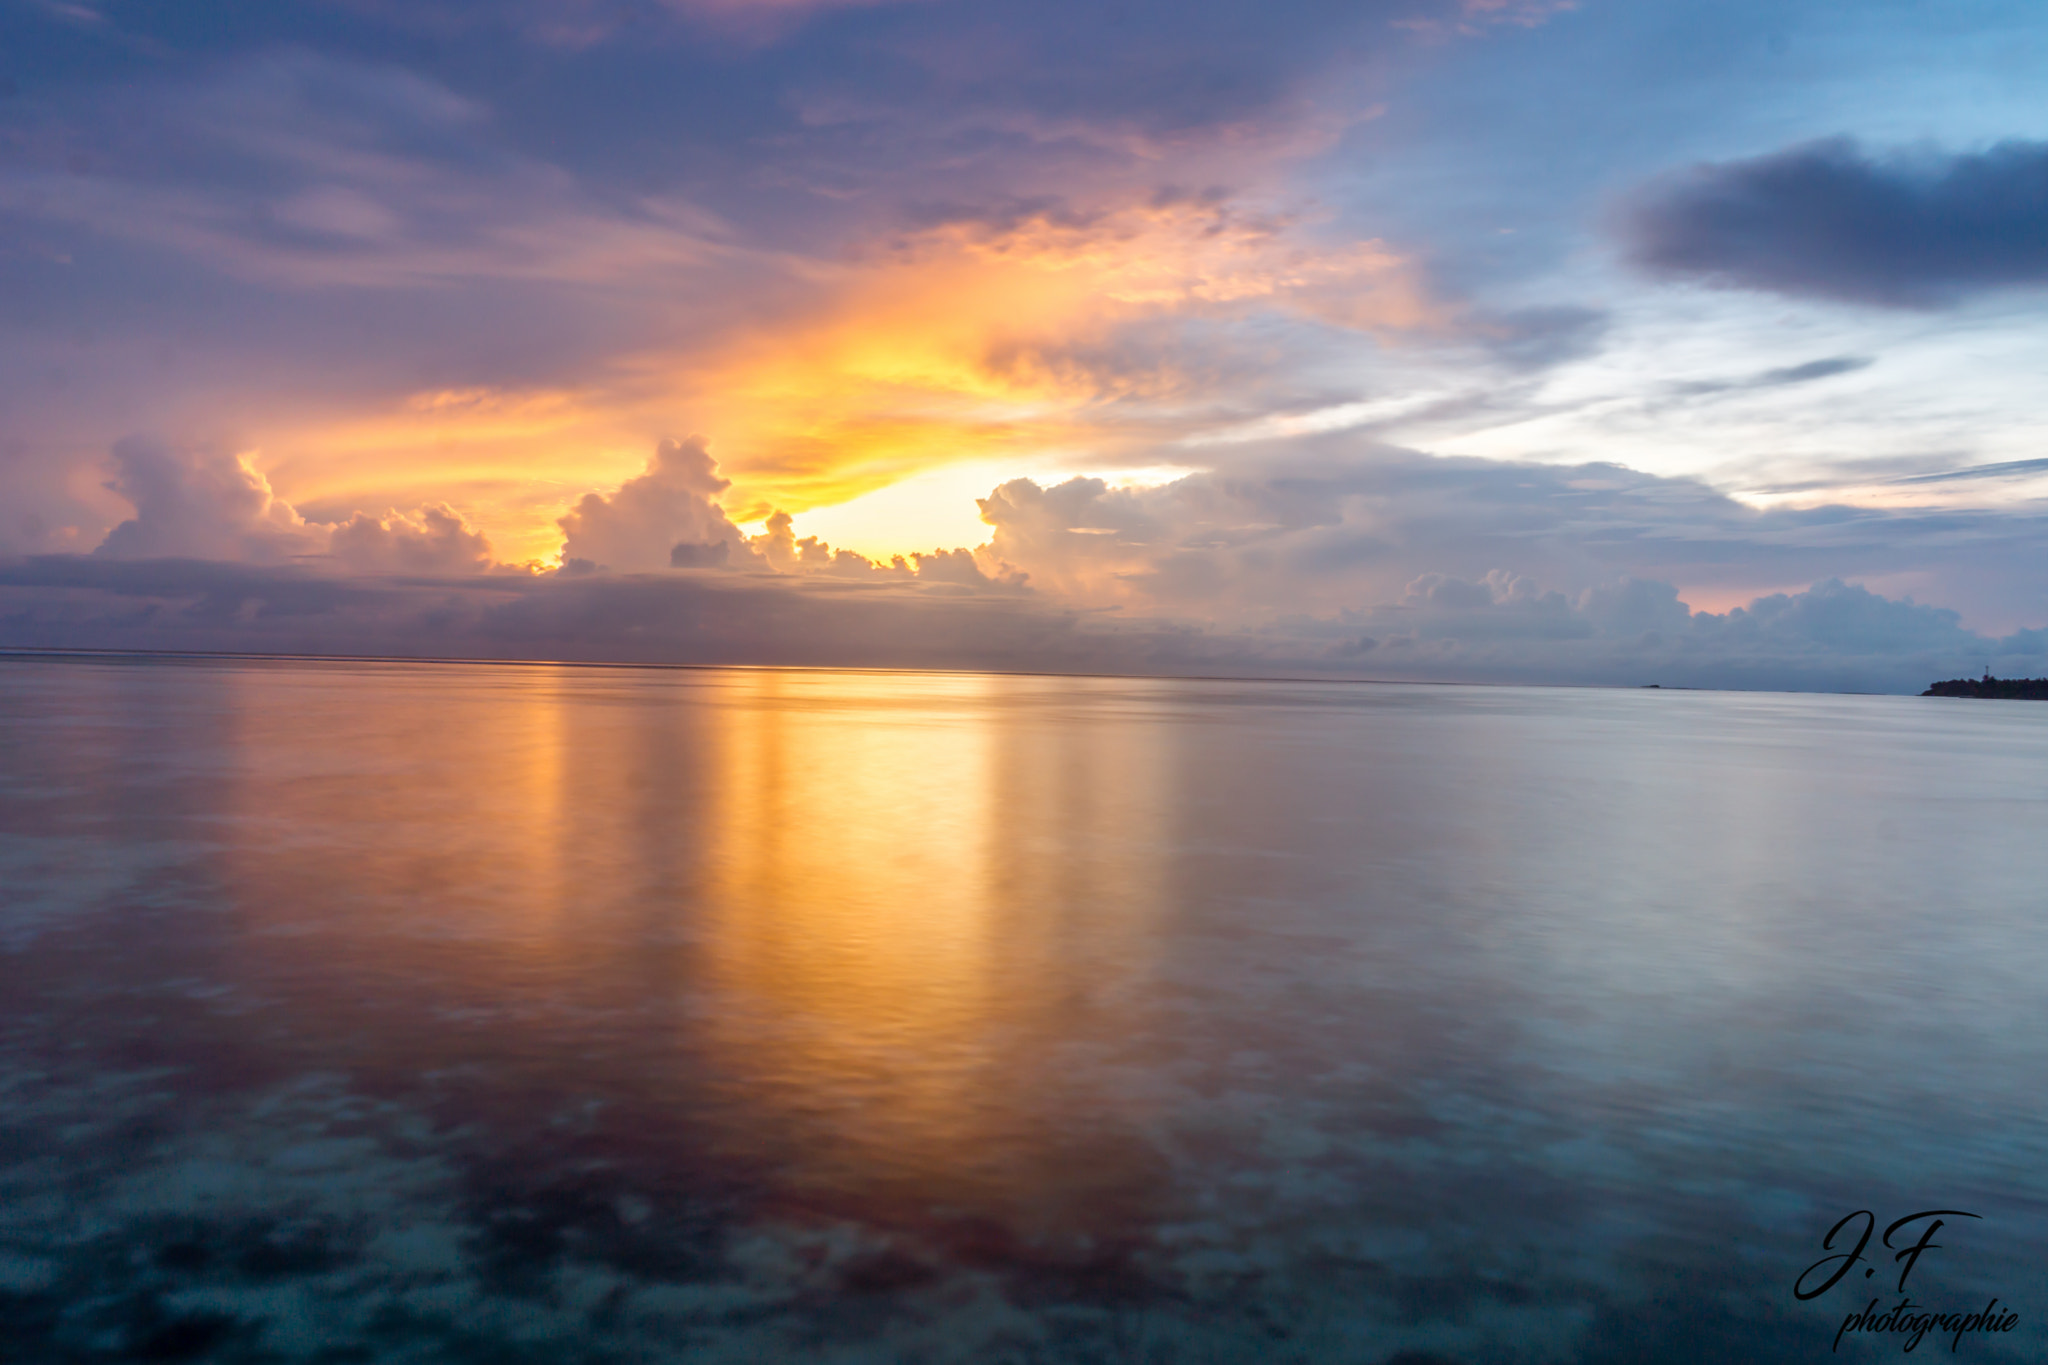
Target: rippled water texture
<point>440,1013</point>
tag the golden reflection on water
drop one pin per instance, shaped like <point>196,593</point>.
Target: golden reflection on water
<point>849,915</point>
<point>878,918</point>
<point>1035,968</point>
<point>878,906</point>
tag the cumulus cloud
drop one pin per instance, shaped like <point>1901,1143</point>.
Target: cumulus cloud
<point>435,540</point>
<point>667,517</point>
<point>1323,528</point>
<point>1831,617</point>
<point>1360,561</point>
<point>1828,220</point>
<point>205,504</point>
<point>1849,619</point>
<point>1503,605</point>
<point>961,568</point>
<point>199,503</point>
<point>779,548</point>
<point>1633,607</point>
<point>1832,636</point>
<point>52,502</point>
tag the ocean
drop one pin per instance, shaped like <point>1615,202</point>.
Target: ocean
<point>417,1012</point>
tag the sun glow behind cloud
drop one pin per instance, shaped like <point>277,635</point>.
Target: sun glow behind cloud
<point>937,508</point>
<point>904,379</point>
<point>1047,339</point>
<point>513,460</point>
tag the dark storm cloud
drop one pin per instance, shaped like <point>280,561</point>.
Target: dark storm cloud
<point>1828,220</point>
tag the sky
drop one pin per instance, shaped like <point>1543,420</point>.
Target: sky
<point>1496,340</point>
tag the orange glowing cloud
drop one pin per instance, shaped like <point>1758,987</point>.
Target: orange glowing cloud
<point>1081,336</point>
<point>511,460</point>
<point>974,340</point>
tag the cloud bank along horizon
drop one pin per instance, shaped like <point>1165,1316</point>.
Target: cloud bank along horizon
<point>1365,339</point>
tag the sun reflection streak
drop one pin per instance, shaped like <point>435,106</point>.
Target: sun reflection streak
<point>877,937</point>
<point>890,934</point>
<point>851,902</point>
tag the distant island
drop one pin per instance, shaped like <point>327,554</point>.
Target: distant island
<point>2010,689</point>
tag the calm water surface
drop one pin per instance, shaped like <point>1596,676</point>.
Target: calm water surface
<point>355,1012</point>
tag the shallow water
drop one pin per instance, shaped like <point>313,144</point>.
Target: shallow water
<point>456,1013</point>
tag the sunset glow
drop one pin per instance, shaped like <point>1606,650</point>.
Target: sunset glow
<point>1021,682</point>
<point>1269,333</point>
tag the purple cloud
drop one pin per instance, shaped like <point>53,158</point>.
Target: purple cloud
<point>1827,220</point>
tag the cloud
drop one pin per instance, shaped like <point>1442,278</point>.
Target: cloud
<point>749,617</point>
<point>955,570</point>
<point>1178,250</point>
<point>1025,327</point>
<point>435,540</point>
<point>1323,525</point>
<point>580,25</point>
<point>1307,529</point>
<point>2005,469</point>
<point>762,21</point>
<point>1328,559</point>
<point>200,504</point>
<point>1825,368</point>
<point>175,604</point>
<point>1500,627</point>
<point>368,197</point>
<point>1831,618</point>
<point>1852,620</point>
<point>1778,377</point>
<point>1502,605</point>
<point>472,259</point>
<point>826,351</point>
<point>1832,636</point>
<point>51,501</point>
<point>293,168</point>
<point>1537,338</point>
<point>1507,619</point>
<point>665,518</point>
<point>1827,220</point>
<point>1476,16</point>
